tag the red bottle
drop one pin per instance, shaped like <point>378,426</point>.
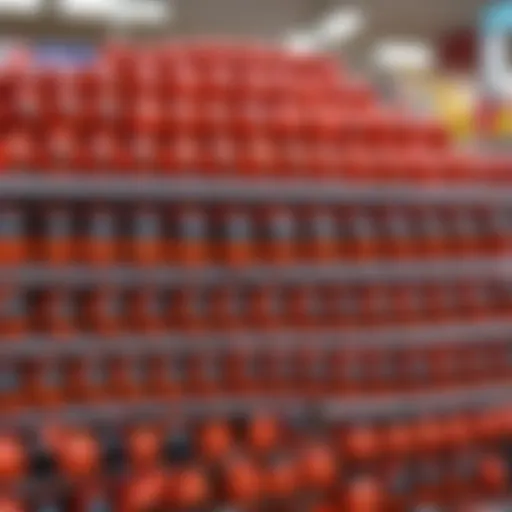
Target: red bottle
<point>499,235</point>
<point>183,108</point>
<point>239,370</point>
<point>164,376</point>
<point>266,308</point>
<point>147,311</point>
<point>374,305</point>
<point>227,309</point>
<point>58,315</point>
<point>84,380</point>
<point>415,370</point>
<point>188,489</point>
<point>146,118</point>
<point>58,243</point>
<point>432,240</point>
<point>319,242</point>
<point>364,244</point>
<point>99,245</point>
<point>464,242</point>
<point>13,315</point>
<point>398,231</point>
<point>408,304</point>
<point>78,455</point>
<point>14,461</point>
<point>214,440</point>
<point>257,159</point>
<point>275,370</point>
<point>188,310</point>
<point>143,156</point>
<point>144,444</point>
<point>19,153</point>
<point>102,154</point>
<point>441,360</point>
<point>279,236</point>
<point>124,377</point>
<point>353,372</point>
<point>104,314</point>
<point>42,383</point>
<point>13,244</point>
<point>203,377</point>
<point>309,371</point>
<point>146,237</point>
<point>189,242</point>
<point>241,482</point>
<point>299,307</point>
<point>349,307</point>
<point>250,122</point>
<point>292,159</point>
<point>238,237</point>
<point>12,386</point>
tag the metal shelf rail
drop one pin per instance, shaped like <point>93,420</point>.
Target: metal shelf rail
<point>163,344</point>
<point>372,408</point>
<point>83,276</point>
<point>74,186</point>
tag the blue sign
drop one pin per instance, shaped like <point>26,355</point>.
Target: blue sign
<point>495,29</point>
<point>63,55</point>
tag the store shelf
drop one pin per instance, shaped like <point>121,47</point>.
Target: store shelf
<point>446,402</point>
<point>396,405</point>
<point>379,337</point>
<point>74,186</point>
<point>83,276</point>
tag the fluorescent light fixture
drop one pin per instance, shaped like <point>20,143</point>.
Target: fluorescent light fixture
<point>88,9</point>
<point>340,25</point>
<point>20,6</point>
<point>137,12</point>
<point>301,42</point>
<point>143,12</point>
<point>404,55</point>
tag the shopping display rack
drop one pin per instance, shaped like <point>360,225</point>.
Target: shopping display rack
<point>231,277</point>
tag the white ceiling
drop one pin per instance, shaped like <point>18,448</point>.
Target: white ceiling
<point>268,17</point>
<point>273,18</point>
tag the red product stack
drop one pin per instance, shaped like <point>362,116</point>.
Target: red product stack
<point>280,278</point>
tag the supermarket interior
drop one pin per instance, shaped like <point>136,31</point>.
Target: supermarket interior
<point>254,256</point>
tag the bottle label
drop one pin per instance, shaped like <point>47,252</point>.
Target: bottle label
<point>354,370</point>
<point>193,226</point>
<point>52,377</point>
<point>432,226</point>
<point>98,505</point>
<point>147,225</point>
<point>154,304</point>
<point>213,369</point>
<point>323,227</point>
<point>282,227</point>
<point>398,226</point>
<point>96,373</point>
<point>113,306</point>
<point>363,227</point>
<point>465,225</point>
<point>9,379</point>
<point>318,369</point>
<point>59,224</point>
<point>11,224</point>
<point>102,225</point>
<point>238,228</point>
<point>14,306</point>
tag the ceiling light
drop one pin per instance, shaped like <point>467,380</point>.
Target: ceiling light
<point>404,55</point>
<point>341,25</point>
<point>301,42</point>
<point>20,6</point>
<point>119,11</point>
